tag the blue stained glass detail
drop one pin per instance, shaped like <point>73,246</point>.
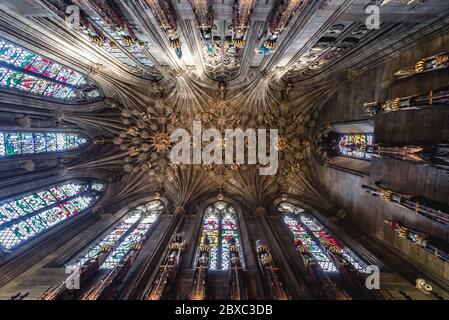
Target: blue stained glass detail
<point>32,214</point>
<point>356,145</point>
<point>133,227</point>
<point>27,71</point>
<point>22,143</point>
<point>309,232</point>
<point>220,225</point>
<point>2,146</point>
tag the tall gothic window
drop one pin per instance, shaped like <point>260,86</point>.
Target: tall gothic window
<point>130,52</point>
<point>357,146</point>
<point>135,225</point>
<point>220,225</point>
<point>30,215</point>
<point>22,143</point>
<point>310,233</point>
<point>29,72</point>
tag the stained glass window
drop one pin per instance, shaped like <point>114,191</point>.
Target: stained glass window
<point>126,52</point>
<point>356,145</point>
<point>129,231</point>
<point>27,216</point>
<point>220,225</point>
<point>21,143</point>
<point>310,233</point>
<point>26,71</point>
<point>314,248</point>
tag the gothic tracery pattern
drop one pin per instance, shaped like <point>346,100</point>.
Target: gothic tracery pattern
<point>29,72</point>
<point>221,53</point>
<point>358,146</point>
<point>29,215</point>
<point>122,236</point>
<point>165,15</point>
<point>22,143</point>
<point>334,44</point>
<point>220,226</point>
<point>105,28</point>
<point>312,238</point>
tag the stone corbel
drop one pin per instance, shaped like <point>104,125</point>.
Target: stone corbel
<point>179,211</point>
<point>28,165</point>
<point>260,212</point>
<point>59,116</point>
<point>25,122</point>
<point>341,216</point>
<point>95,69</point>
<point>112,103</point>
<point>63,170</point>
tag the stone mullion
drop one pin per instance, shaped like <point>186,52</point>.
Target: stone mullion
<point>296,28</point>
<point>33,256</point>
<point>193,43</point>
<point>35,213</point>
<point>251,42</point>
<point>303,283</point>
<point>140,12</point>
<point>292,283</point>
<point>141,276</point>
<point>86,239</point>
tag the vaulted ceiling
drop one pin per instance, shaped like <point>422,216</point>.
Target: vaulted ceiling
<point>229,63</point>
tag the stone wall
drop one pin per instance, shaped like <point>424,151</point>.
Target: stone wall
<point>368,213</point>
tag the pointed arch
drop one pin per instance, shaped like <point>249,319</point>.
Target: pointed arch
<point>312,237</point>
<point>25,71</point>
<point>31,214</point>
<point>122,236</point>
<point>347,146</point>
<point>354,145</point>
<point>15,143</point>
<point>221,226</point>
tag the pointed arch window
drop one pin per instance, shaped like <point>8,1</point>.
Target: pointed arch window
<point>135,225</point>
<point>30,215</point>
<point>308,232</point>
<point>220,225</point>
<point>358,145</point>
<point>23,143</point>
<point>26,71</point>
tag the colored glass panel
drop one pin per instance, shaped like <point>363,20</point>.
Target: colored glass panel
<point>7,213</point>
<point>356,145</point>
<point>32,214</point>
<point>21,143</point>
<point>25,60</point>
<point>136,235</point>
<point>110,240</point>
<point>39,65</point>
<point>304,238</point>
<point>123,235</point>
<point>27,71</point>
<point>309,232</point>
<point>220,225</point>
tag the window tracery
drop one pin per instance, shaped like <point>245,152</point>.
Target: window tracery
<point>220,225</point>
<point>26,71</point>
<point>32,214</point>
